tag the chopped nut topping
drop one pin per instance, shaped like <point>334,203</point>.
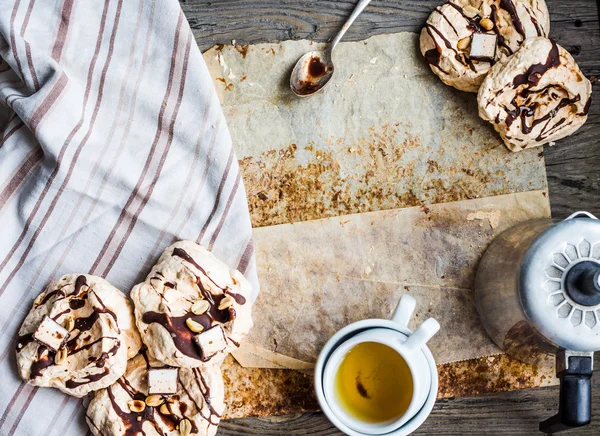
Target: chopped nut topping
<point>136,406</point>
<point>61,356</point>
<point>200,307</point>
<point>226,302</point>
<point>487,24</point>
<point>185,427</point>
<point>154,400</point>
<point>464,43</point>
<point>164,409</point>
<point>194,326</point>
<point>70,324</point>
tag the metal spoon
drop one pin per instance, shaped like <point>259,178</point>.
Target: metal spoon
<point>314,70</point>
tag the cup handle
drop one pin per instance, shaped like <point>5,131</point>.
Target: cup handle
<point>422,335</point>
<point>404,310</point>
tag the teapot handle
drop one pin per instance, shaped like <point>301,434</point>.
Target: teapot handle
<point>575,400</point>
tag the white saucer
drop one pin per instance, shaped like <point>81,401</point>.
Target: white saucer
<point>350,331</point>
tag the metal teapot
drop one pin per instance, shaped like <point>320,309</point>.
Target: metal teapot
<point>537,291</point>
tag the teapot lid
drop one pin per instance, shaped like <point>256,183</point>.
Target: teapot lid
<point>559,283</point>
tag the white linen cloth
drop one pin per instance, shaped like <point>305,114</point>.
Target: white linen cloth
<point>113,145</point>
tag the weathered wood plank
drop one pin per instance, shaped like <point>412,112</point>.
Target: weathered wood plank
<point>573,168</point>
<point>574,24</point>
<point>509,413</point>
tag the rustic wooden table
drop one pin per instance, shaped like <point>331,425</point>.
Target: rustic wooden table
<point>573,168</point>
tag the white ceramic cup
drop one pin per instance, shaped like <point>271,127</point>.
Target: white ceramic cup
<point>410,346</point>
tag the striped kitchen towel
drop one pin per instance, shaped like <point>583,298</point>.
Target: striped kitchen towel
<point>113,145</point>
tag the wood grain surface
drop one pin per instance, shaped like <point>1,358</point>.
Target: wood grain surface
<point>573,169</point>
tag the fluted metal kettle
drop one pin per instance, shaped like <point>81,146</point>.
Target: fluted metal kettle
<point>537,291</point>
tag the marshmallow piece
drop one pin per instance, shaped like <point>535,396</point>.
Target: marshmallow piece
<point>483,46</point>
<point>211,342</point>
<point>51,334</point>
<point>526,21</point>
<point>162,380</point>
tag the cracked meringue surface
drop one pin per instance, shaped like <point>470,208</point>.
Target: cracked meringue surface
<point>447,39</point>
<point>191,303</point>
<point>535,96</point>
<point>126,408</point>
<point>100,336</point>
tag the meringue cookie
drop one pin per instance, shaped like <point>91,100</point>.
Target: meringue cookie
<point>535,96</point>
<point>446,40</point>
<point>125,408</point>
<point>102,336</point>
<point>183,299</point>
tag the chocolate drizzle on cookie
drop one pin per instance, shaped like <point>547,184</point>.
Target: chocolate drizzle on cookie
<point>49,295</point>
<point>526,110</point>
<point>72,384</point>
<point>500,38</point>
<point>77,343</point>
<point>45,358</point>
<point>524,106</point>
<point>183,337</point>
<point>205,391</point>
<point>23,340</point>
<point>176,406</point>
<point>433,56</point>
<point>473,24</point>
<point>535,72</point>
<point>133,426</point>
<point>510,7</point>
<point>181,253</point>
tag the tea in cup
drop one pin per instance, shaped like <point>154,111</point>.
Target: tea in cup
<point>374,380</point>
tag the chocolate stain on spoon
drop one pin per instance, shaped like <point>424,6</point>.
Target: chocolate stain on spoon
<point>316,69</point>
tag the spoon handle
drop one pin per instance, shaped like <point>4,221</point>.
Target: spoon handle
<point>355,13</point>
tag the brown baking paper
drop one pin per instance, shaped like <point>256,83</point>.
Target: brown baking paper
<point>356,169</point>
<point>386,133</point>
<point>319,276</point>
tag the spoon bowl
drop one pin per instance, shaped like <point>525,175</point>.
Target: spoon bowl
<point>311,73</point>
<point>314,70</point>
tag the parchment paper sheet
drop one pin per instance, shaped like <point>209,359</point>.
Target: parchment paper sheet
<point>386,133</point>
<point>356,169</point>
<point>318,276</point>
